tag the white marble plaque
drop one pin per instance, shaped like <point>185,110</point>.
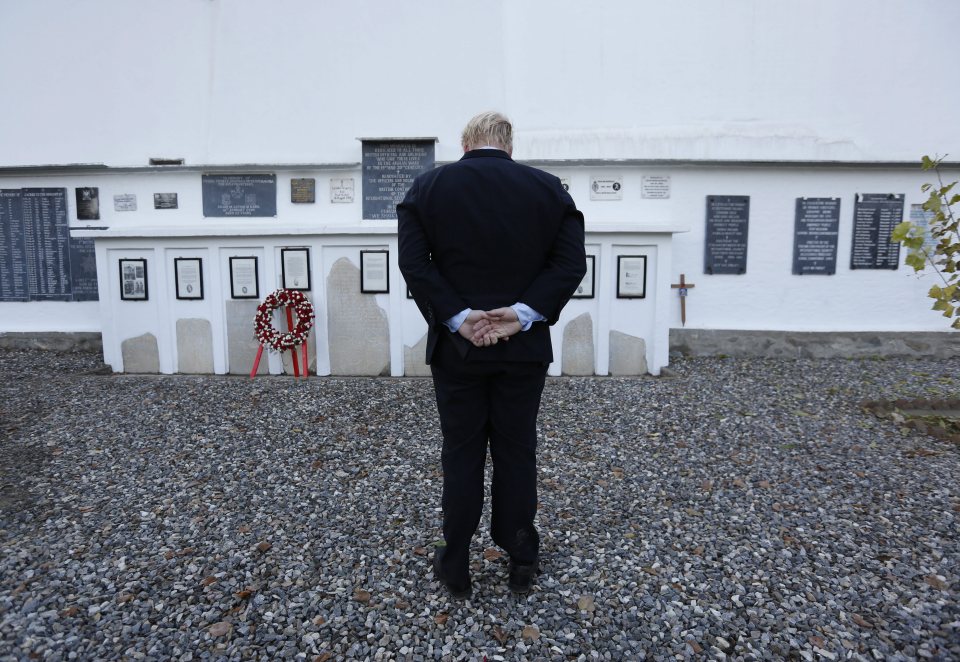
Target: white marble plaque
<point>341,190</point>
<point>656,187</point>
<point>607,187</point>
<point>125,202</point>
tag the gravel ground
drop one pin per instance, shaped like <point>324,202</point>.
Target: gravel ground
<point>744,509</point>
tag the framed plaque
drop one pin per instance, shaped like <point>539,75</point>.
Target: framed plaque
<point>374,272</point>
<point>295,266</point>
<point>133,280</point>
<point>586,286</point>
<point>244,278</point>
<point>188,274</point>
<point>631,276</point>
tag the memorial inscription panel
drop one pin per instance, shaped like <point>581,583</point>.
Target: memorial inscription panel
<point>165,201</point>
<point>875,215</point>
<point>815,231</point>
<point>239,195</point>
<point>88,203</point>
<point>13,249</point>
<point>47,235</point>
<point>39,260</point>
<point>83,269</point>
<point>389,168</point>
<point>303,190</point>
<point>728,218</point>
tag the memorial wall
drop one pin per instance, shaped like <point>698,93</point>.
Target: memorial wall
<point>745,167</point>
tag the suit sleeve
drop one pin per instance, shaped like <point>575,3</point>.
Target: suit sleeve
<point>565,266</point>
<point>435,297</point>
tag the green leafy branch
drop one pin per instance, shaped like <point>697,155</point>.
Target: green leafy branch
<point>944,231</point>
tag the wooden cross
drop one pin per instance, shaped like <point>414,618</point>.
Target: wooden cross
<point>683,286</point>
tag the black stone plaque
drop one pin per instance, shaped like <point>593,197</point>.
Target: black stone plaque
<point>47,236</point>
<point>13,248</point>
<point>83,269</point>
<point>165,201</point>
<point>88,203</point>
<point>389,168</point>
<point>38,258</point>
<point>303,189</point>
<point>874,217</point>
<point>815,230</point>
<point>239,195</point>
<point>728,218</point>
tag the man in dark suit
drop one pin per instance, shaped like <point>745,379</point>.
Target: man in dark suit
<point>491,251</point>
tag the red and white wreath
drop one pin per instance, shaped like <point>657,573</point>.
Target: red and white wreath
<point>263,324</point>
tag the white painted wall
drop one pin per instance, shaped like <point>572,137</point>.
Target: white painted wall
<point>768,296</point>
<point>297,81</point>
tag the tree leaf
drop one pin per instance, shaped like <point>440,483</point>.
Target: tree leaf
<point>530,632</point>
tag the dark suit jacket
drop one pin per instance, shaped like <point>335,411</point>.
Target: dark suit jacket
<point>486,232</point>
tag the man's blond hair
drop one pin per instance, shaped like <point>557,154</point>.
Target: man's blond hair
<point>489,128</point>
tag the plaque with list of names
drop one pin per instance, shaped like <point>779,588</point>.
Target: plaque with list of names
<point>728,218</point>
<point>47,236</point>
<point>815,231</point>
<point>39,260</point>
<point>13,248</point>
<point>389,168</point>
<point>874,217</point>
<point>239,195</point>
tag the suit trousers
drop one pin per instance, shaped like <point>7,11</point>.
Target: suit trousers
<point>481,401</point>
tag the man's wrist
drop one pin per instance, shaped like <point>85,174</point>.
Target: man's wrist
<point>526,315</point>
<point>455,322</point>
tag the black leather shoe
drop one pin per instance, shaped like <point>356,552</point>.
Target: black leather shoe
<point>456,591</point>
<point>521,576</point>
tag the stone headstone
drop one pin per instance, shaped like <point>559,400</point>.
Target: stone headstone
<point>241,345</point>
<point>628,354</point>
<point>357,327</point>
<point>140,354</point>
<point>415,359</point>
<point>194,346</point>
<point>577,357</point>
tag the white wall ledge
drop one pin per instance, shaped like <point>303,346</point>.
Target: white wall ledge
<point>369,228</point>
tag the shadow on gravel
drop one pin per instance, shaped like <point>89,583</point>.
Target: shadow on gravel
<point>938,418</point>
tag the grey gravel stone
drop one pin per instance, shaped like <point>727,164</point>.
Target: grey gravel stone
<point>743,509</point>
